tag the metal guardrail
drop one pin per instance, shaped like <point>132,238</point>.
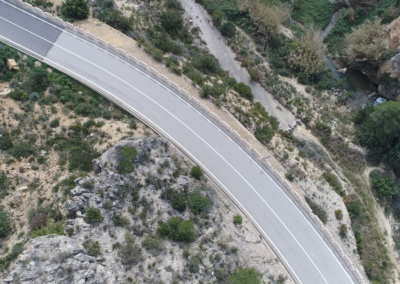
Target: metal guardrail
<point>121,54</point>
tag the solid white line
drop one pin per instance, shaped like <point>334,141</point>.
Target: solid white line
<point>199,138</point>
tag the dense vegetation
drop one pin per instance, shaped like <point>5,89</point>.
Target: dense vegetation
<point>75,9</point>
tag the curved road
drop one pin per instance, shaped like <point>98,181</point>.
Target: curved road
<point>295,240</point>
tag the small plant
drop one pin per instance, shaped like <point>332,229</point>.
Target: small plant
<point>120,220</point>
<point>108,205</point>
<point>237,220</point>
<point>92,248</point>
<point>199,203</point>
<point>127,157</point>
<point>54,123</point>
<point>177,230</point>
<point>343,231</point>
<point>93,215</point>
<point>196,172</point>
<point>339,214</point>
<point>152,244</point>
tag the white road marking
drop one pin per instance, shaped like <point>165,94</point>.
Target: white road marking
<point>180,144</point>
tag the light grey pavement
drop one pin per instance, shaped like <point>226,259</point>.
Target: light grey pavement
<point>226,58</point>
<point>297,243</point>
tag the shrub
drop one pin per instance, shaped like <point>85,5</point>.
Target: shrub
<point>308,57</point>
<point>264,134</point>
<point>228,30</point>
<point>383,185</point>
<point>343,231</point>
<point>108,205</point>
<point>93,215</point>
<point>176,199</point>
<point>217,17</point>
<point>130,254</point>
<point>152,244</point>
<point>92,248</point>
<point>207,64</point>
<point>5,142</point>
<point>22,150</point>
<point>245,275</point>
<point>5,227</point>
<point>237,220</point>
<point>19,95</point>
<point>132,124</point>
<point>199,203</point>
<point>243,90</point>
<point>339,214</point>
<point>50,228</point>
<point>334,183</point>
<point>120,220</point>
<point>171,21</point>
<point>318,210</point>
<point>80,157</point>
<point>127,157</point>
<point>34,97</point>
<point>177,230</point>
<point>54,123</point>
<point>38,221</point>
<point>75,9</point>
<point>196,172</point>
<point>366,43</point>
<point>107,114</point>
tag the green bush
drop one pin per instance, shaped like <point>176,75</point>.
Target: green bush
<point>92,248</point>
<point>217,17</point>
<point>5,226</point>
<point>54,123</point>
<point>130,253</point>
<point>318,210</point>
<point>108,205</point>
<point>19,95</point>
<point>107,114</point>
<point>172,22</point>
<point>244,91</point>
<point>196,172</point>
<point>228,30</point>
<point>22,150</point>
<point>75,9</point>
<point>120,220</point>
<point>339,214</point>
<point>5,142</point>
<point>334,183</point>
<point>177,230</point>
<point>80,156</point>
<point>199,203</point>
<point>127,157</point>
<point>264,134</point>
<point>50,228</point>
<point>207,64</point>
<point>93,215</point>
<point>176,199</point>
<point>383,185</point>
<point>343,231</point>
<point>237,220</point>
<point>152,244</point>
<point>245,276</point>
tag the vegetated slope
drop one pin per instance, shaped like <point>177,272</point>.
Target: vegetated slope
<point>158,222</point>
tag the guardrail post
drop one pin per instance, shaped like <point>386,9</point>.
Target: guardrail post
<point>132,59</point>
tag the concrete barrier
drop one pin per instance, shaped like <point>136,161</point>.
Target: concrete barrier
<point>132,59</point>
<point>207,110</point>
<point>39,12</point>
<point>28,7</point>
<point>48,16</point>
<point>226,125</point>
<point>196,101</point>
<point>101,42</point>
<point>165,79</point>
<point>91,37</point>
<point>174,85</point>
<point>247,144</point>
<point>257,154</point>
<point>60,22</point>
<point>237,135</point>
<point>144,65</point>
<point>154,71</point>
<point>216,117</point>
<point>277,173</point>
<point>289,185</point>
<point>184,93</point>
<point>111,47</point>
<point>80,32</point>
<point>70,27</point>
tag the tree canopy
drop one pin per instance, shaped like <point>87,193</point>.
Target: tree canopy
<point>75,9</point>
<point>379,131</point>
<point>245,276</point>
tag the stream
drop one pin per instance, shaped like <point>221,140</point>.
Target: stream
<point>218,48</point>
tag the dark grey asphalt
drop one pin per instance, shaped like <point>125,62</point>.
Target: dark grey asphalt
<point>299,246</point>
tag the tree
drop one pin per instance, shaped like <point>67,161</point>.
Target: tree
<point>379,131</point>
<point>383,185</point>
<point>75,9</point>
<point>171,21</point>
<point>217,17</point>
<point>177,230</point>
<point>228,30</point>
<point>245,276</point>
<point>365,44</point>
<point>308,56</point>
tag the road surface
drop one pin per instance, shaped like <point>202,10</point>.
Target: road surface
<point>297,243</point>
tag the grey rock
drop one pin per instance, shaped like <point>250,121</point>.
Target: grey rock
<point>78,191</point>
<point>396,65</point>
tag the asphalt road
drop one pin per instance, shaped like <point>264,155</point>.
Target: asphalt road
<point>298,245</point>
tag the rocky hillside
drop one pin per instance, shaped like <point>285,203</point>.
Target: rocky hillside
<point>147,215</point>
